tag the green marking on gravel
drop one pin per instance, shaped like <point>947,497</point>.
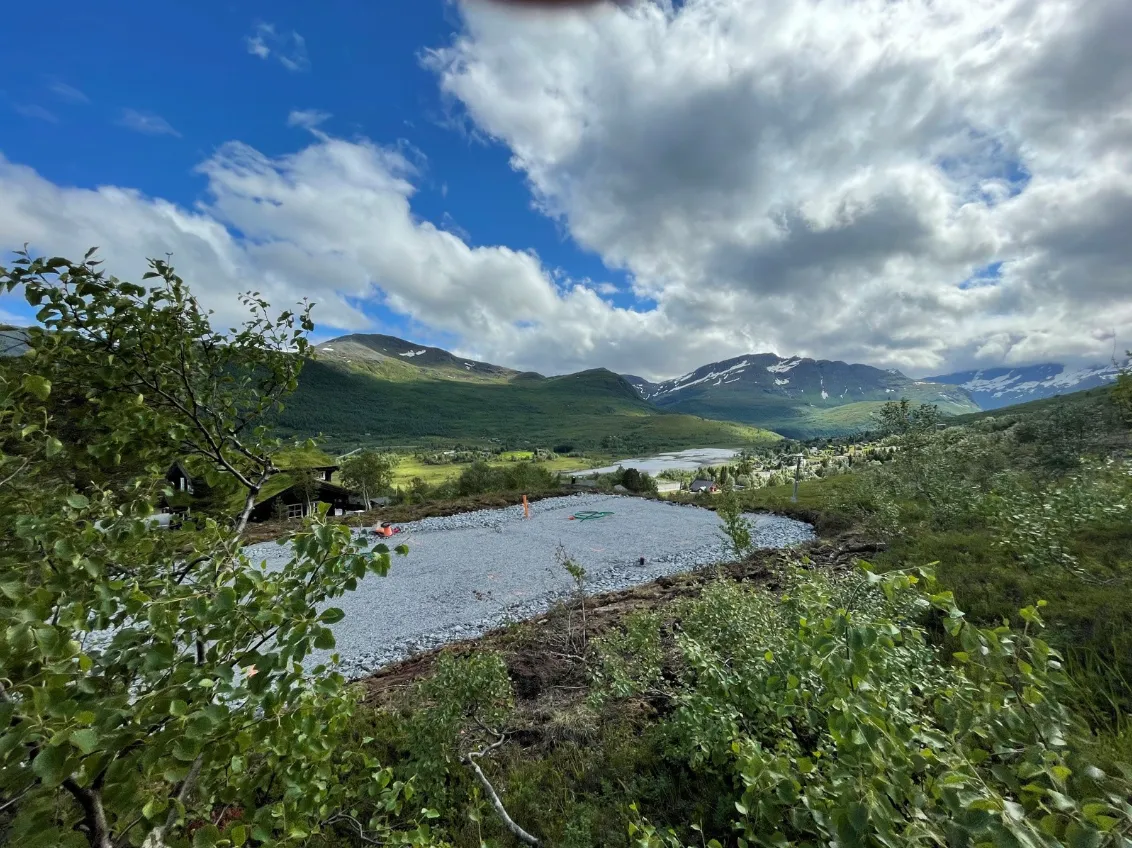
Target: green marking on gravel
<point>589,516</point>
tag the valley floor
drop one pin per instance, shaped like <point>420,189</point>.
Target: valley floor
<point>469,572</point>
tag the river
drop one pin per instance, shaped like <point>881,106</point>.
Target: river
<point>685,460</point>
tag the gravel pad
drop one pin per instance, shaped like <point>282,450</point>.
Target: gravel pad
<point>466,574</point>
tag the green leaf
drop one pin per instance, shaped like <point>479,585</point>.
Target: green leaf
<point>77,501</point>
<point>50,765</point>
<point>37,385</point>
<point>324,640</point>
<point>154,807</point>
<point>206,837</point>
<point>86,740</point>
<point>238,835</point>
<point>332,616</point>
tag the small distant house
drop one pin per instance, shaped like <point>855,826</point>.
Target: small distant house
<point>187,489</point>
<point>288,501</point>
<point>179,478</point>
<point>708,486</point>
<point>667,486</point>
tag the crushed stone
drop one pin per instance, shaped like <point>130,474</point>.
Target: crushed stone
<point>469,573</point>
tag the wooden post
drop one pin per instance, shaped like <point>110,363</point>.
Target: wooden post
<point>526,508</point>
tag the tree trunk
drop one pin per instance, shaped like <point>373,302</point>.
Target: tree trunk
<point>94,816</point>
<point>249,505</point>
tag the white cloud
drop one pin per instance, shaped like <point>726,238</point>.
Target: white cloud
<point>332,222</point>
<point>289,49</point>
<point>797,176</point>
<point>69,93</point>
<point>39,113</point>
<point>146,123</point>
<point>821,177</point>
<point>308,119</point>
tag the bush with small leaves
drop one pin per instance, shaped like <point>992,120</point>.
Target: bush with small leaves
<point>151,682</point>
<point>838,722</point>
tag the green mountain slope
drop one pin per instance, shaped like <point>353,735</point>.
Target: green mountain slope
<point>797,397</point>
<point>391,358</point>
<point>1095,403</point>
<point>354,403</point>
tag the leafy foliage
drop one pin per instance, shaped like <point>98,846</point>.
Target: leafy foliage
<point>837,722</point>
<point>369,472</point>
<point>899,418</point>
<point>638,481</point>
<point>479,477</point>
<point>735,526</point>
<point>1040,526</point>
<point>1122,392</point>
<point>153,680</point>
<point>465,701</point>
<point>149,361</point>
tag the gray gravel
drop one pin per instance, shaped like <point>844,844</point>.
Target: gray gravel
<point>467,574</point>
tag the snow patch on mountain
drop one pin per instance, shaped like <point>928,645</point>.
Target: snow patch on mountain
<point>997,387</point>
<point>994,387</point>
<point>678,384</point>
<point>784,366</point>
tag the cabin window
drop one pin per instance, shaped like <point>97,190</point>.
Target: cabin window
<point>295,510</point>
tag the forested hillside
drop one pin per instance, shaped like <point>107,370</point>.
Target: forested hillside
<point>591,409</point>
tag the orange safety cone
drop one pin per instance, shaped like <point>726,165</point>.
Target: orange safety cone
<point>526,508</point>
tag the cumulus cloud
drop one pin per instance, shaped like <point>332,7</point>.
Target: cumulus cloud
<point>307,119</point>
<point>921,185</point>
<point>289,49</point>
<point>146,123</point>
<point>332,222</point>
<point>823,177</point>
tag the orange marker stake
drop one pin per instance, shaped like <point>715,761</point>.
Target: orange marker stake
<point>526,508</point>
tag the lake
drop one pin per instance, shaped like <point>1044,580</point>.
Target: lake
<point>685,460</point>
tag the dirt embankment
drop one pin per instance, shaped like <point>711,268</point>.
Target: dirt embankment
<point>542,654</point>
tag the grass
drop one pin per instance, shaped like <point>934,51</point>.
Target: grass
<point>303,457</point>
<point>1089,401</point>
<point>802,418</point>
<point>409,468</point>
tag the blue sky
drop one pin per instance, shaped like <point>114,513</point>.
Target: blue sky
<point>647,186</point>
<point>188,67</point>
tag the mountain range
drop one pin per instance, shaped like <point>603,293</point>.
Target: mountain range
<point>795,396</point>
<point>369,388</point>
<point>994,388</point>
<point>375,389</point>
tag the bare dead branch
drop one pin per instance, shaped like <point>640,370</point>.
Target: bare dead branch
<point>508,822</point>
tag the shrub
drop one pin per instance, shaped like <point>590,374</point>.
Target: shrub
<point>837,722</point>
